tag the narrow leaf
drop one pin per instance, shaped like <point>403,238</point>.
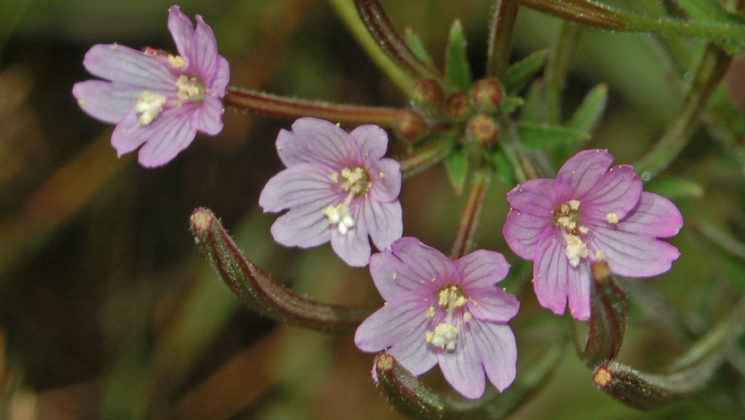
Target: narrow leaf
<point>457,168</point>
<point>522,72</point>
<point>534,109</point>
<point>417,47</point>
<point>588,114</point>
<point>502,169</point>
<point>713,12</point>
<point>510,104</point>
<point>433,151</point>
<point>456,62</point>
<point>541,136</point>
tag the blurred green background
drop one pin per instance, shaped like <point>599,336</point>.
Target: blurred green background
<point>108,311</point>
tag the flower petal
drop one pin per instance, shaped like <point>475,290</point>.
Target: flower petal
<point>552,272</point>
<point>539,197</point>
<point>409,265</point>
<point>618,191</point>
<point>304,226</point>
<point>106,101</point>
<point>492,304</point>
<point>584,170</point>
<point>217,85</point>
<point>372,142</point>
<point>482,269</point>
<point>123,64</point>
<point>208,117</point>
<point>384,221</point>
<point>300,185</point>
<point>523,230</point>
<point>164,138</point>
<point>578,293</point>
<point>319,141</point>
<point>402,326</point>
<point>462,367</point>
<point>630,254</point>
<point>655,216</point>
<point>354,247</point>
<point>498,350</point>
<point>386,180</point>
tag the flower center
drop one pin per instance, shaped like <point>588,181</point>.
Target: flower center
<point>149,106</point>
<point>190,89</point>
<point>445,334</point>
<point>355,182</point>
<point>566,218</point>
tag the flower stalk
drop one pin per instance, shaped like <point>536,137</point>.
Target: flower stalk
<point>501,28</point>
<point>261,103</point>
<point>259,291</point>
<point>469,219</point>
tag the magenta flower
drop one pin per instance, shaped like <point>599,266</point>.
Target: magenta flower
<point>154,98</point>
<point>337,187</point>
<point>446,312</point>
<point>589,213</point>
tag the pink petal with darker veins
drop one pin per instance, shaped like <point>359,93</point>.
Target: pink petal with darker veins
<point>118,63</point>
<point>497,349</point>
<point>584,170</point>
<point>463,367</point>
<point>616,192</point>
<point>654,216</point>
<point>381,220</point>
<point>316,141</point>
<point>106,101</point>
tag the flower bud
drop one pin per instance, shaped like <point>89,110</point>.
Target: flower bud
<point>482,130</point>
<point>427,96</point>
<point>486,95</point>
<point>458,107</point>
<point>409,126</point>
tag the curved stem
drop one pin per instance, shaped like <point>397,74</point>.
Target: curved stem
<point>259,291</point>
<point>433,152</point>
<point>601,16</point>
<point>501,28</point>
<point>277,106</point>
<point>713,66</point>
<point>347,13</point>
<point>375,19</point>
<point>469,218</point>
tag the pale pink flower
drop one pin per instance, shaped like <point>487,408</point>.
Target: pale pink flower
<point>338,187</point>
<point>154,98</point>
<point>589,213</point>
<point>446,312</point>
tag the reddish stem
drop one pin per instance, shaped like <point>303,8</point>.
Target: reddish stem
<point>277,106</point>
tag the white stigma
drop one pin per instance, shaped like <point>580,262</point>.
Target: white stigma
<point>149,106</point>
<point>341,217</point>
<point>575,250</point>
<point>444,337</point>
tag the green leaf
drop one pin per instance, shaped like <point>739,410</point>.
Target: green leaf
<point>415,45</point>
<point>456,62</point>
<point>502,168</point>
<point>534,109</point>
<point>510,104</point>
<point>713,12</point>
<point>588,113</point>
<point>520,73</point>
<point>541,136</point>
<point>674,188</point>
<point>457,166</point>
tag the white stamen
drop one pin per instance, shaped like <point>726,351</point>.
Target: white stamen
<point>149,106</point>
<point>467,317</point>
<point>431,312</point>
<point>444,337</point>
<point>341,217</point>
<point>612,218</point>
<point>575,250</point>
<point>189,90</point>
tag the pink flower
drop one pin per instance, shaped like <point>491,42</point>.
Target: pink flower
<point>446,312</point>
<point>337,187</point>
<point>589,213</point>
<point>154,98</point>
